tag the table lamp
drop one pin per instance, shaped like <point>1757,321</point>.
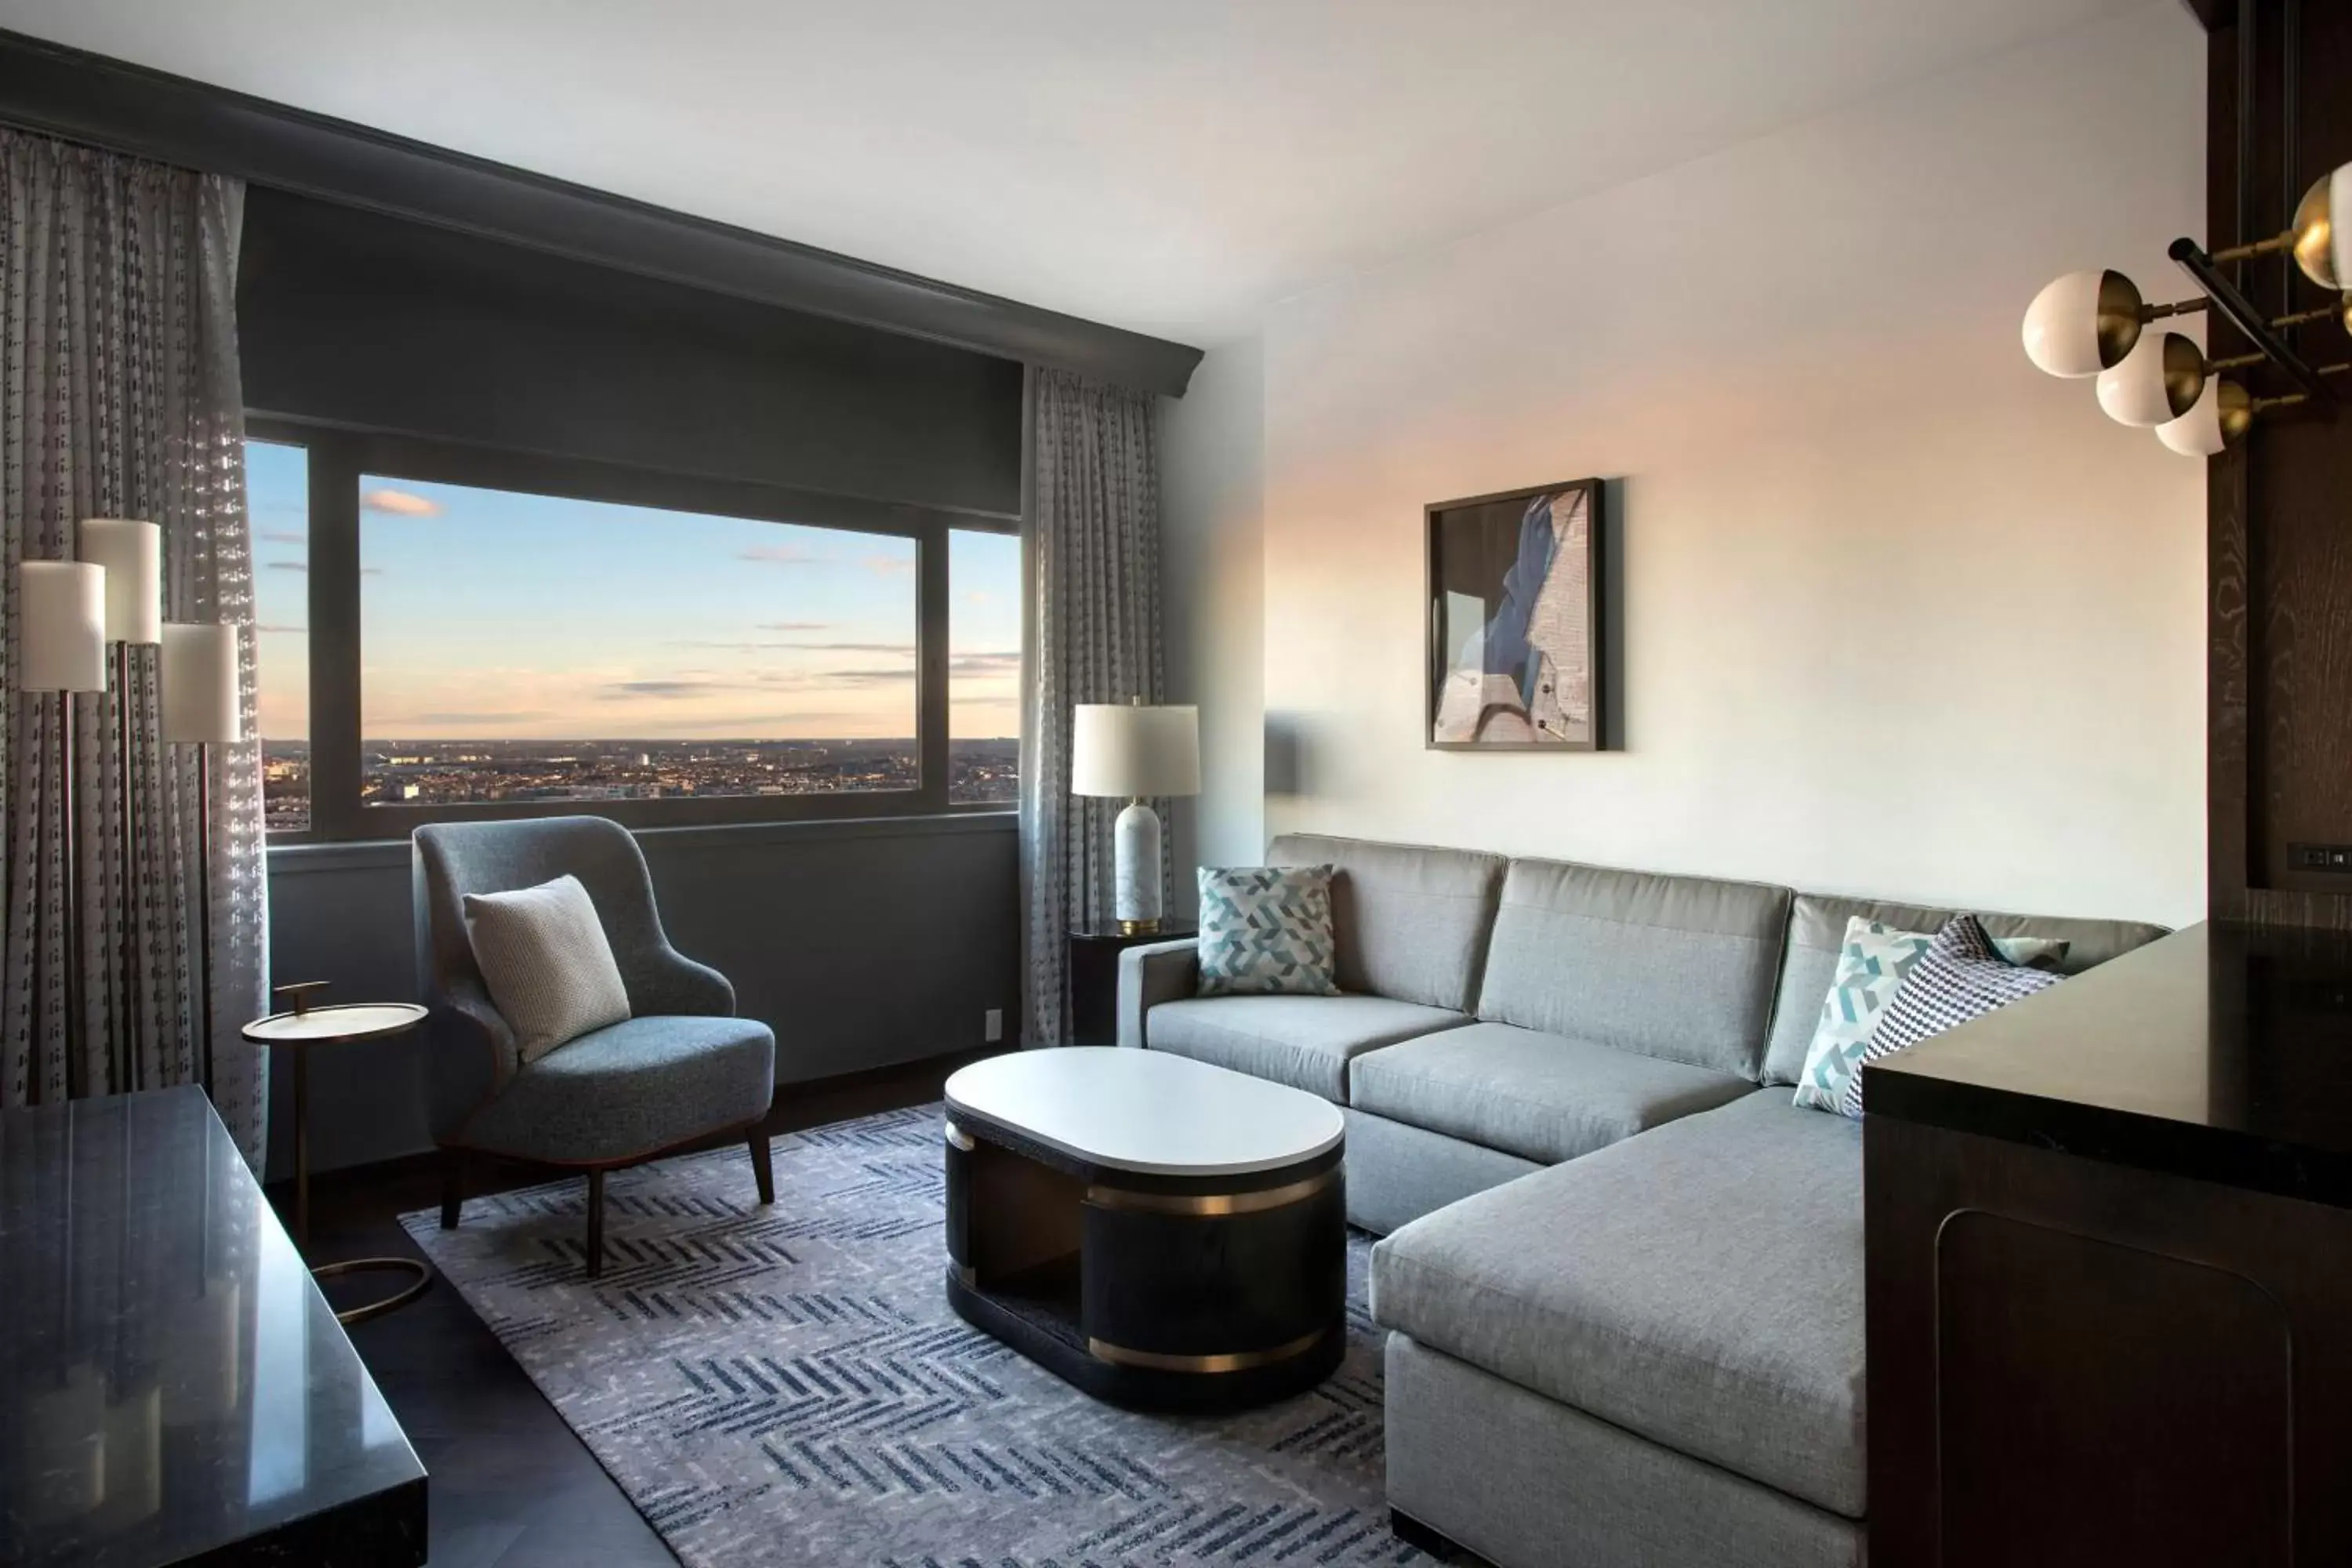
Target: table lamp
<point>1135,752</point>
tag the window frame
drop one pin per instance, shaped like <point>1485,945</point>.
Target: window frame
<point>339,458</point>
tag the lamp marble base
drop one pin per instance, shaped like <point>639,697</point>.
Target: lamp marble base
<point>1135,847</point>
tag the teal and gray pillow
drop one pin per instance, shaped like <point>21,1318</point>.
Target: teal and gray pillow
<point>1872,963</point>
<point>1962,975</point>
<point>1266,930</point>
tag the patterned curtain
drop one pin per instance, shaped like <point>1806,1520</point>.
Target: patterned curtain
<point>119,397</point>
<point>1094,611</point>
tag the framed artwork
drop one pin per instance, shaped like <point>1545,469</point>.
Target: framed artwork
<point>1514,642</point>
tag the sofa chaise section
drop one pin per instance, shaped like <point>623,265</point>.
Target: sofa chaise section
<point>1696,1290</point>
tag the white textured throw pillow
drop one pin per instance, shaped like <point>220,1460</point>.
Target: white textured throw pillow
<point>543,953</point>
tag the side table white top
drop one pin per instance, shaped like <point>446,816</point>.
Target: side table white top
<point>335,1022</point>
<point>1148,1111</point>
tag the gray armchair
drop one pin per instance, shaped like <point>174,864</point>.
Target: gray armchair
<point>682,1067</point>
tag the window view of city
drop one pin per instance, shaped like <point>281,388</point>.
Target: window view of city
<point>455,773</point>
<point>521,648</point>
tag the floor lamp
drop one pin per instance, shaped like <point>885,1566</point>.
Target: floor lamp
<point>132,551</point>
<point>61,621</point>
<point>201,709</point>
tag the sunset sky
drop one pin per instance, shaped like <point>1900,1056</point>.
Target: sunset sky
<point>488,614</point>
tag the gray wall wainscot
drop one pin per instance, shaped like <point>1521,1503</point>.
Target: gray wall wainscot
<point>862,943</point>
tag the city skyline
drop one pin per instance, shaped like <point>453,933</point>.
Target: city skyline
<point>489,615</point>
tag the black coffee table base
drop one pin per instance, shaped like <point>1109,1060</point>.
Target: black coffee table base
<point>1169,1293</point>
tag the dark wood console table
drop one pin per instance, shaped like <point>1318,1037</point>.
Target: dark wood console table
<point>2109,1262</point>
<point>175,1390</point>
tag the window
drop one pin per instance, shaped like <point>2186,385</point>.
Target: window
<point>453,633</point>
<point>984,666</point>
<point>278,499</point>
<point>530,648</point>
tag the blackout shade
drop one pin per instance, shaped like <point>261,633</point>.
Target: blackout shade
<point>384,323</point>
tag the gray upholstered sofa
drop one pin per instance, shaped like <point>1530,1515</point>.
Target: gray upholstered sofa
<point>1623,1273</point>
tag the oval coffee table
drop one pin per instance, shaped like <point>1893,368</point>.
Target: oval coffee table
<point>1162,1232</point>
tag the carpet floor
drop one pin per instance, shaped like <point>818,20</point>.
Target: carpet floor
<point>788,1385</point>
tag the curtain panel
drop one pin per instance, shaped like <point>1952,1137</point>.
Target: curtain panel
<point>1094,611</point>
<point>119,397</point>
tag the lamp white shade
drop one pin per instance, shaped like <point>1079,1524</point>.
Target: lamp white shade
<point>61,620</point>
<point>1127,750</point>
<point>2158,381</point>
<point>2082,323</point>
<point>132,551</point>
<point>199,681</point>
<point>2198,433</point>
<point>2322,230</point>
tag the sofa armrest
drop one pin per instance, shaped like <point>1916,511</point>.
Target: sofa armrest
<point>1160,972</point>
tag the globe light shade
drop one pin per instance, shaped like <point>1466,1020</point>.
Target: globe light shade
<point>2322,230</point>
<point>2221,414</point>
<point>2158,381</point>
<point>2083,323</point>
<point>199,681</point>
<point>61,626</point>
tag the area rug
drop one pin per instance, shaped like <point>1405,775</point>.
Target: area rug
<point>788,1385</point>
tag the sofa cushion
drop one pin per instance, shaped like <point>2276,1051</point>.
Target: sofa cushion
<point>632,1089</point>
<point>1541,1096</point>
<point>1676,967</point>
<point>1411,923</point>
<point>1817,931</point>
<point>1700,1285</point>
<point>1303,1041</point>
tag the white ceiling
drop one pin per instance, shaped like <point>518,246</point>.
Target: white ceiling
<point>1172,167</point>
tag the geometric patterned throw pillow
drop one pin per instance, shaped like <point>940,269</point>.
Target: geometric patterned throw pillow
<point>1266,930</point>
<point>1962,975</point>
<point>1872,963</point>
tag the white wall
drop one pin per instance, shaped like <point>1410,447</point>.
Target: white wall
<point>1901,615</point>
<point>1212,479</point>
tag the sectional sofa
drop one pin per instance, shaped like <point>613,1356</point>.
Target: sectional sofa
<point>1621,1273</point>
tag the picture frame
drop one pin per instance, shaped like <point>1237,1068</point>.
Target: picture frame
<point>1514,617</point>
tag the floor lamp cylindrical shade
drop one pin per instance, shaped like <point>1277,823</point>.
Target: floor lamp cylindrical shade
<point>1134,753</point>
<point>199,681</point>
<point>132,551</point>
<point>62,617</point>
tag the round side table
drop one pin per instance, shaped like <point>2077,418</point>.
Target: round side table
<point>301,1030</point>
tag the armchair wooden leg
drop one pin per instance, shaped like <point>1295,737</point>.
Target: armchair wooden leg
<point>453,1186</point>
<point>595,1224</point>
<point>761,1171</point>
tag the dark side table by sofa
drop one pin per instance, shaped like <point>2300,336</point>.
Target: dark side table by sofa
<point>1094,975</point>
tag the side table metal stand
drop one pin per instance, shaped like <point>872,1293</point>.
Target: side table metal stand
<point>301,1029</point>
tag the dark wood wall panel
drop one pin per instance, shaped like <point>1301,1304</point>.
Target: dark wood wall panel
<point>2280,505</point>
<point>2076,1363</point>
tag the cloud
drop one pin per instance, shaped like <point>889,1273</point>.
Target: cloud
<point>471,717</point>
<point>861,676</point>
<point>984,664</point>
<point>282,536</point>
<point>399,503</point>
<point>371,571</point>
<point>978,597</point>
<point>794,627</point>
<point>888,565</point>
<point>267,627</point>
<point>620,689</point>
<point>782,555</point>
<point>288,566</point>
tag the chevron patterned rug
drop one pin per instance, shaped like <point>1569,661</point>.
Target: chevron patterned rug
<point>787,1386</point>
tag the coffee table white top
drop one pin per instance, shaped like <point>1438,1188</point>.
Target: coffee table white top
<point>1147,1112</point>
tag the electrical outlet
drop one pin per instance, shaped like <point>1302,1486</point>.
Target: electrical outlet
<point>992,1025</point>
<point>2334,857</point>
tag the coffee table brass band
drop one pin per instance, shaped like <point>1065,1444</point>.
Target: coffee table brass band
<point>1211,1204</point>
<point>959,1138</point>
<point>361,1313</point>
<point>1238,1360</point>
